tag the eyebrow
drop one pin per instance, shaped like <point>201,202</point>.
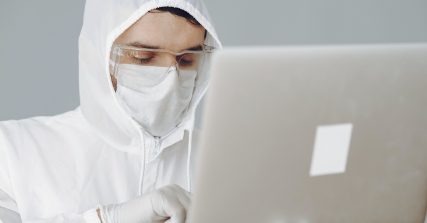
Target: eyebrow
<point>142,45</point>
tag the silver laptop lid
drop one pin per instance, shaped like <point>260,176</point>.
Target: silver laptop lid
<point>270,109</point>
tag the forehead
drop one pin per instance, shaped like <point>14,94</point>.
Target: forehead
<point>163,30</point>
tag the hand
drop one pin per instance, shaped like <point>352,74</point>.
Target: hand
<point>168,204</point>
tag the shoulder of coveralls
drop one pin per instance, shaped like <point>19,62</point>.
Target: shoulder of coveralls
<point>16,135</point>
<point>5,183</point>
<point>14,132</point>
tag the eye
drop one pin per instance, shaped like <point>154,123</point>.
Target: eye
<point>186,59</point>
<point>143,60</point>
<point>141,57</point>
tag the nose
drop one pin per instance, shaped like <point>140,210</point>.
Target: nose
<point>170,60</point>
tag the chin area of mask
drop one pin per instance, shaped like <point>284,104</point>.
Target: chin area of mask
<point>156,97</point>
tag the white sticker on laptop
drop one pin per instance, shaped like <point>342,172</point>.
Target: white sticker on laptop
<point>331,148</point>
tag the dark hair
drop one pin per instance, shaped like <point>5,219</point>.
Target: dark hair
<point>179,12</point>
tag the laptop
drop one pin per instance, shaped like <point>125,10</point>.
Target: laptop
<point>314,134</point>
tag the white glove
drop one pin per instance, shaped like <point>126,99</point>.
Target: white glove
<point>168,204</point>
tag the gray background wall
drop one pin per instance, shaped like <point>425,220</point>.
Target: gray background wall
<point>38,39</point>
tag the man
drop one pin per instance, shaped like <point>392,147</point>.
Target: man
<point>125,155</point>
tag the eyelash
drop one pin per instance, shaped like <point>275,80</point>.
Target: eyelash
<point>182,61</point>
<point>143,60</point>
<point>186,62</point>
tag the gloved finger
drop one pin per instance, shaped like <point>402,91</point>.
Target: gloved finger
<point>176,214</point>
<point>183,196</point>
<point>167,204</point>
<point>180,212</point>
<point>180,194</point>
<point>178,217</point>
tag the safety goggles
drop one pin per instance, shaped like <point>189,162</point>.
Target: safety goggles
<point>188,60</point>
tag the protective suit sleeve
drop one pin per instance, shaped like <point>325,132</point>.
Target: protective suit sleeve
<point>9,212</point>
<point>8,208</point>
<point>89,216</point>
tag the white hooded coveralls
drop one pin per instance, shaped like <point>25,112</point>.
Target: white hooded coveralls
<point>61,168</point>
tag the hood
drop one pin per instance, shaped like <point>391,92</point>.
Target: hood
<point>104,21</point>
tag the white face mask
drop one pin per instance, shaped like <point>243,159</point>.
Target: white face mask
<point>156,97</point>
